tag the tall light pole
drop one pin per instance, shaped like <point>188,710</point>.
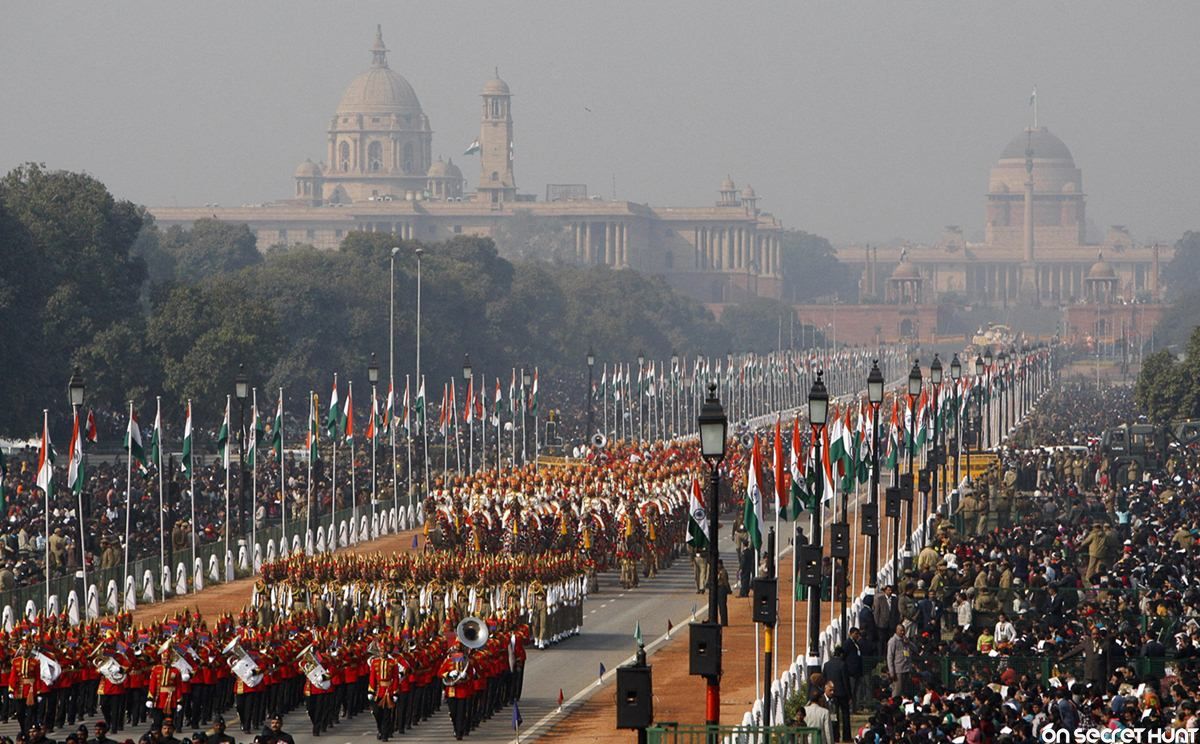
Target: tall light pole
<point>373,378</point>
<point>75,390</point>
<point>935,378</point>
<point>526,380</point>
<point>1002,373</point>
<point>818,413</point>
<point>641,381</point>
<point>875,384</point>
<point>674,393</point>
<point>955,376</point>
<point>392,383</point>
<point>591,362</point>
<point>914,390</point>
<point>468,373</point>
<point>714,436</point>
<point>987,394</point>
<point>241,389</point>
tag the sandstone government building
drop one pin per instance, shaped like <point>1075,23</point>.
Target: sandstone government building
<point>379,173</point>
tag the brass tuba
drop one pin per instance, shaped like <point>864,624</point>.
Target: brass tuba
<point>317,675</point>
<point>108,666</point>
<point>242,663</point>
<point>472,632</point>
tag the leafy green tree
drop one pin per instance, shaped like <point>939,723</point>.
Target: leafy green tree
<point>1184,268</point>
<point>66,242</point>
<point>524,237</point>
<point>209,248</point>
<point>1161,387</point>
<point>811,270</point>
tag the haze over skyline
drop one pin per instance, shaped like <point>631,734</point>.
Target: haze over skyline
<point>861,122</point>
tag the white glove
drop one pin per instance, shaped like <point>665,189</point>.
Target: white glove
<point>370,696</point>
<point>149,703</point>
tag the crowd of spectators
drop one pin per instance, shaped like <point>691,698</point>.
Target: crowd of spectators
<point>1053,599</point>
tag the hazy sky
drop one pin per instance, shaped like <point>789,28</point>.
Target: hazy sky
<point>855,120</point>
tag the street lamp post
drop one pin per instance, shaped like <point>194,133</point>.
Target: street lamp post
<point>468,373</point>
<point>75,390</point>
<point>641,381</point>
<point>987,395</point>
<point>955,376</point>
<point>714,436</point>
<point>373,378</point>
<point>914,389</point>
<point>818,412</point>
<point>241,389</point>
<point>392,386</point>
<point>526,380</point>
<point>875,385</point>
<point>591,363</point>
<point>935,378</point>
<point>1002,373</point>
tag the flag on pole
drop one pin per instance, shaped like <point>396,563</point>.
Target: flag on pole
<point>407,422</point>
<point>133,440</point>
<point>186,460</point>
<point>637,636</point>
<point>333,420</point>
<point>419,411</point>
<point>697,520</point>
<point>257,432</point>
<point>533,394</point>
<point>472,148</point>
<point>469,409</point>
<point>827,492</point>
<point>223,437</point>
<point>516,717</point>
<point>45,471</point>
<point>312,444</point>
<point>512,394</point>
<point>444,410</point>
<point>894,436</point>
<point>156,437</point>
<point>75,459</point>
<point>348,415</point>
<point>780,472</point>
<point>389,412</point>
<point>752,514</point>
<point>497,406</point>
<point>277,427</point>
<point>801,494</point>
<point>371,421</point>
<point>3,475</point>
<point>91,427</point>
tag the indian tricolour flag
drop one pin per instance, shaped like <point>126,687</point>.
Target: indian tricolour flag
<point>223,437</point>
<point>186,460</point>
<point>45,471</point>
<point>801,499</point>
<point>498,405</point>
<point>133,440</point>
<point>752,514</point>
<point>697,518</point>
<point>333,420</point>
<point>75,459</point>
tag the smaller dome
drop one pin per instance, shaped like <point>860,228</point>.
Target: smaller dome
<point>452,170</point>
<point>496,87</point>
<point>727,184</point>
<point>438,169</point>
<point>308,169</point>
<point>905,270</point>
<point>1101,269</point>
<point>748,192</point>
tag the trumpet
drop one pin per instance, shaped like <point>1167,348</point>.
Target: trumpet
<point>242,663</point>
<point>313,669</point>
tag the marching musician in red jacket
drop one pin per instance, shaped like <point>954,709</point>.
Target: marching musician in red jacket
<point>166,689</point>
<point>25,683</point>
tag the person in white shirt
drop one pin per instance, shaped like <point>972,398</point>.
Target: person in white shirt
<point>963,611</point>
<point>1005,633</point>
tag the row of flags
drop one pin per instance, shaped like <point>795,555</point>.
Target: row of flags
<point>339,423</point>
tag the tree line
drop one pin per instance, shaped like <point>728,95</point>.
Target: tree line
<point>90,281</point>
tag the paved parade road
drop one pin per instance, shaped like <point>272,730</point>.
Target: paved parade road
<point>572,665</point>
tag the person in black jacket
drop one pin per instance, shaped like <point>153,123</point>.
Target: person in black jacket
<point>854,667</point>
<point>837,674</point>
<point>868,642</point>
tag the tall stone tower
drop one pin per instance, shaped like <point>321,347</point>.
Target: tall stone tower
<point>496,182</point>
